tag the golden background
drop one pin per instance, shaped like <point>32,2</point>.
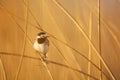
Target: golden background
<point>84,39</point>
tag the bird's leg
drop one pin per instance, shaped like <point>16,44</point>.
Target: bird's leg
<point>43,57</point>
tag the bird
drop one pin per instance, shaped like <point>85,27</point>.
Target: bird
<point>41,44</point>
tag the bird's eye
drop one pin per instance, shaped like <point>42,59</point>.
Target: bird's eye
<point>42,36</point>
<point>45,35</point>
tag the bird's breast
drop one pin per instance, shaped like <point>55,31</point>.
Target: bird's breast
<point>41,47</point>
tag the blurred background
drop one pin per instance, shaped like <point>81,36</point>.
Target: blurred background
<point>84,39</point>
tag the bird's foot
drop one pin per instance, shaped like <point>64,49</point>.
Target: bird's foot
<point>44,58</point>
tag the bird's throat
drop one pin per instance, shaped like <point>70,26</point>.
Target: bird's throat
<point>41,40</point>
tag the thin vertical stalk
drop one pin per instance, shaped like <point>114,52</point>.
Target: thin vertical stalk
<point>24,43</point>
<point>99,35</point>
<point>90,35</point>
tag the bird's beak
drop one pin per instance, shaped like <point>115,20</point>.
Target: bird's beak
<point>48,36</point>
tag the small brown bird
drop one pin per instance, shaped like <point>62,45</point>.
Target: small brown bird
<point>41,44</point>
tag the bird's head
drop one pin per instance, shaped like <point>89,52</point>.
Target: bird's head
<point>41,37</point>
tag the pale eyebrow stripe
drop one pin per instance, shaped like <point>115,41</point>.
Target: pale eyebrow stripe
<point>38,36</point>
